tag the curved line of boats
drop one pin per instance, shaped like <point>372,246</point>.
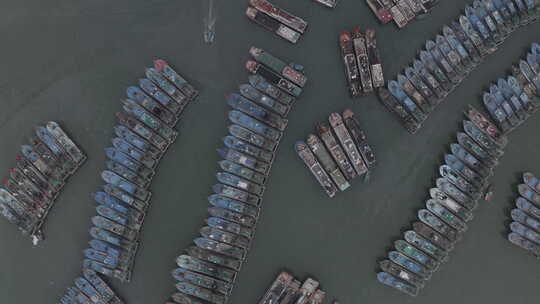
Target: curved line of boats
<point>452,55</point>
<point>207,270</point>
<point>462,183</point>
<point>525,226</point>
<point>340,153</point>
<point>42,170</point>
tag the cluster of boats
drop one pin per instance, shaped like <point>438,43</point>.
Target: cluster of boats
<point>208,269</point>
<point>447,59</point>
<point>144,131</point>
<point>525,228</point>
<point>288,290</point>
<point>339,153</point>
<point>363,68</point>
<point>512,100</point>
<point>40,173</point>
<point>90,289</point>
<point>400,11</point>
<point>462,183</point>
<point>277,20</point>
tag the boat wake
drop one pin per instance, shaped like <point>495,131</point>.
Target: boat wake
<point>210,23</point>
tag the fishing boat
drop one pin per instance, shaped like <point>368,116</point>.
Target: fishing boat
<point>125,198</point>
<point>409,89</point>
<point>106,236</point>
<point>377,74</point>
<point>430,80</point>
<point>512,116</point>
<point>496,112</point>
<point>40,180</point>
<point>277,289</point>
<point>201,293</point>
<point>244,160</point>
<point>100,268</point>
<point>232,142</point>
<point>109,225</point>
<point>416,254</point>
<point>451,55</point>
<point>401,273</point>
<point>78,296</point>
<point>527,207</point>
<point>154,91</point>
<point>463,38</point>
<point>143,131</point>
<point>529,74</point>
<point>382,12</point>
<point>352,74</point>
<point>89,290</point>
<point>251,137</point>
<point>307,289</point>
<point>46,145</point>
<point>151,121</point>
<point>526,98</point>
<point>240,183</point>
<point>433,236</point>
<point>395,89</point>
<point>251,93</point>
<point>282,83</point>
<point>459,47</point>
<point>193,264</point>
<point>127,174</point>
<point>137,141</point>
<point>137,97</point>
<point>425,245</point>
<point>214,257</point>
<point>336,121</point>
<point>409,264</point>
<point>520,241</point>
<point>118,181</point>
<point>33,182</point>
<point>472,147</point>
<point>67,143</point>
<point>462,169</point>
<point>225,237</point>
<point>184,275</point>
<point>393,105</point>
<point>278,66</point>
<point>315,167</point>
<point>450,204</point>
<point>420,86</point>
<point>185,299</point>
<point>446,215</point>
<point>325,133</point>
<point>458,181</point>
<point>227,226</point>
<point>436,55</point>
<point>242,171</point>
<point>327,162</point>
<point>261,84</point>
<point>44,161</point>
<point>446,81</point>
<point>362,59</point>
<point>525,232</point>
<point>106,292</point>
<point>112,250</point>
<point>486,126</point>
<point>235,217</point>
<point>242,104</point>
<point>272,25</point>
<point>482,139</point>
<point>328,3</point>
<point>508,94</point>
<point>438,225</point>
<point>221,248</point>
<point>168,72</point>
<point>389,280</point>
<point>157,78</point>
<point>359,137</point>
<point>254,125</point>
<point>236,194</point>
<point>531,181</point>
<point>444,185</point>
<point>117,217</point>
<point>19,183</point>
<point>279,14</point>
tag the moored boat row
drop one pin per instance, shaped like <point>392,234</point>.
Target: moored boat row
<point>41,171</point>
<point>402,12</point>
<point>525,225</point>
<point>363,68</point>
<point>463,181</point>
<point>207,270</point>
<point>277,20</point>
<point>90,288</point>
<point>338,154</point>
<point>144,132</point>
<point>286,289</point>
<point>452,55</point>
